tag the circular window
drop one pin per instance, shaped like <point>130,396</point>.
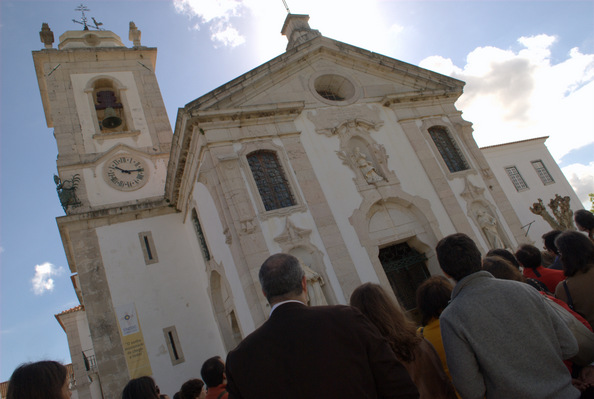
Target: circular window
<point>334,87</point>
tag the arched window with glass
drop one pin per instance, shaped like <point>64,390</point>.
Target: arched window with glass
<point>270,179</point>
<point>449,151</point>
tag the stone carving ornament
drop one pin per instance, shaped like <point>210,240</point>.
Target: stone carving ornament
<point>366,167</point>
<point>488,225</point>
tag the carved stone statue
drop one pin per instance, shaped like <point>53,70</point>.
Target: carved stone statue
<point>488,225</point>
<point>314,287</point>
<point>366,167</point>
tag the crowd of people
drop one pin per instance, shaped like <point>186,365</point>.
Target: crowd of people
<point>508,327</point>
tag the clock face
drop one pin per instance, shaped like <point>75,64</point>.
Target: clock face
<point>125,172</point>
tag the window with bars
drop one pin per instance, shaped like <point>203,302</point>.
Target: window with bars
<point>542,172</point>
<point>449,151</point>
<point>516,178</point>
<point>270,179</point>
<point>200,235</point>
<point>406,269</point>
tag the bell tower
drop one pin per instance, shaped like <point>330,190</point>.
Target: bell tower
<point>103,101</point>
<point>110,123</point>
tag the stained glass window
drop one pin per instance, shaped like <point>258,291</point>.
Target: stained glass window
<point>270,179</point>
<point>448,149</point>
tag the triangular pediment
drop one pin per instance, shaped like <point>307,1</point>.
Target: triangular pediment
<point>300,74</point>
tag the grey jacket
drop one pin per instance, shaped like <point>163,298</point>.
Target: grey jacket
<point>502,341</point>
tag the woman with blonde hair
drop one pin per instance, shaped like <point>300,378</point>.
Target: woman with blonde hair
<point>415,353</point>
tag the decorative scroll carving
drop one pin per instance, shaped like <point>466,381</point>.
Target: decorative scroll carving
<point>293,235</point>
<point>351,124</point>
<point>472,192</point>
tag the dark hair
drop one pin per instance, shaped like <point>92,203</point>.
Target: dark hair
<point>458,256</point>
<point>177,395</point>
<point>577,252</point>
<point>212,371</point>
<point>280,276</point>
<point>373,301</point>
<point>433,295</point>
<point>584,218</point>
<point>505,254</point>
<point>141,388</point>
<point>191,389</point>
<point>549,240</point>
<point>43,379</point>
<point>502,269</point>
<point>529,256</point>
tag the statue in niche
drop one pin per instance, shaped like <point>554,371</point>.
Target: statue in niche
<point>366,167</point>
<point>488,225</point>
<point>315,282</point>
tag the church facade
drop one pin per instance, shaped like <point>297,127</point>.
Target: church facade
<point>354,162</point>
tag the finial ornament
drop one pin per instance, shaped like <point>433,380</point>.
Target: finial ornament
<point>83,21</point>
<point>134,34</point>
<point>46,35</point>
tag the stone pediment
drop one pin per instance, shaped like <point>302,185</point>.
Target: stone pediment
<point>314,67</point>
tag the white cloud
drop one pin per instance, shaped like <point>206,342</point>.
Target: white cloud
<point>225,34</point>
<point>216,14</point>
<point>581,178</point>
<point>511,96</point>
<point>43,281</point>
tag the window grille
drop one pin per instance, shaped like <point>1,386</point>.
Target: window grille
<point>148,247</point>
<point>173,345</point>
<point>542,172</point>
<point>406,269</point>
<point>270,180</point>
<point>448,149</point>
<point>200,235</point>
<point>516,178</point>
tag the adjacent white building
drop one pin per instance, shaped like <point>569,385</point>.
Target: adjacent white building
<point>528,173</point>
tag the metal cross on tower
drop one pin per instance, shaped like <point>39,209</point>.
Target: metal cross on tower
<point>83,21</point>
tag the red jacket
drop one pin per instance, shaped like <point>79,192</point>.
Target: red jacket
<point>218,392</point>
<point>549,277</point>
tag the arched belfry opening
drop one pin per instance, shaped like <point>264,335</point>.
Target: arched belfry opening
<point>108,107</point>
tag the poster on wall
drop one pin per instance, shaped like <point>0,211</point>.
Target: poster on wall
<point>133,341</point>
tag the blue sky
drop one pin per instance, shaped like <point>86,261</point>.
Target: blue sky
<point>529,68</point>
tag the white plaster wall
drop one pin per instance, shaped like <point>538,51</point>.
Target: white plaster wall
<point>171,292</point>
<point>220,253</point>
<point>86,111</point>
<point>520,155</point>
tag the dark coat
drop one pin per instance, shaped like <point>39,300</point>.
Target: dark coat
<point>316,352</point>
